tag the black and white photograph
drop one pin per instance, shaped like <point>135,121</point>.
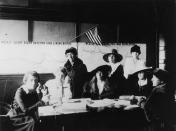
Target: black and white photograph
<point>87,65</point>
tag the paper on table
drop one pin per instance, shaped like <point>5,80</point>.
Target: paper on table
<point>73,107</point>
<point>122,103</point>
<point>125,97</point>
<point>101,103</point>
<point>48,111</point>
<point>130,107</point>
<point>65,108</point>
<point>77,100</point>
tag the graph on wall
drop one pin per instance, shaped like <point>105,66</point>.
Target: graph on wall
<point>46,57</point>
<point>94,53</point>
<point>21,57</point>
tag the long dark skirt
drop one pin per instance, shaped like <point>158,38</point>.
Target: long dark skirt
<point>22,123</point>
<point>131,84</point>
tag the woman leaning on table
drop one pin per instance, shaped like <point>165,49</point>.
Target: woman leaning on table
<point>159,105</point>
<point>28,98</point>
<point>98,85</point>
<point>143,84</point>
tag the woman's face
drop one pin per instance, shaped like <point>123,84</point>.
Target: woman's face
<point>155,80</point>
<point>71,57</point>
<point>112,59</point>
<point>135,54</point>
<point>141,75</point>
<point>99,75</point>
<point>32,82</point>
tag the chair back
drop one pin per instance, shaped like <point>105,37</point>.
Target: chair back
<point>4,119</point>
<point>4,108</point>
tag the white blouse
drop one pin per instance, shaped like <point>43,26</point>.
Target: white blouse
<point>57,91</point>
<point>132,66</point>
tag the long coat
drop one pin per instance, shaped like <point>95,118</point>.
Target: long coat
<point>77,73</point>
<point>117,81</point>
<point>160,103</point>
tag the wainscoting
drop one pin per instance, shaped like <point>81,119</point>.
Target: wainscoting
<point>9,84</point>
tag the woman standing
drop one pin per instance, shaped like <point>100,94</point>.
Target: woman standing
<point>76,71</point>
<point>116,75</point>
<point>131,65</point>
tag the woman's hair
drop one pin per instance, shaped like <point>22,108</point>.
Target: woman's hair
<point>71,50</point>
<point>60,70</point>
<point>32,73</point>
<point>105,69</point>
<point>104,74</point>
<point>136,48</point>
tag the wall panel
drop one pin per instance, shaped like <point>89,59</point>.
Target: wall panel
<point>53,31</point>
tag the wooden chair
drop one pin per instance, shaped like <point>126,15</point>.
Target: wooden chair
<point>5,124</point>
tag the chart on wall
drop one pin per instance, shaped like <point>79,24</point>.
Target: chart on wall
<point>19,57</point>
<point>45,57</point>
<point>92,55</point>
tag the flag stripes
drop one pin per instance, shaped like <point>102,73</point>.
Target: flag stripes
<point>93,36</point>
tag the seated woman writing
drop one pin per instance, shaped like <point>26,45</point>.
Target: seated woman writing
<point>98,87</point>
<point>59,87</point>
<point>26,102</point>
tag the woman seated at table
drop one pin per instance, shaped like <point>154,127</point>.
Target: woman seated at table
<point>98,87</point>
<point>26,102</point>
<point>144,84</point>
<point>159,104</point>
<point>59,87</point>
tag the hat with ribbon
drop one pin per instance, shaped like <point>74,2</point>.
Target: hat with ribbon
<point>143,69</point>
<point>114,52</point>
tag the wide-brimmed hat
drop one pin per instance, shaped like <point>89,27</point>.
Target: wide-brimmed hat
<point>143,69</point>
<point>102,68</point>
<point>163,75</point>
<point>118,56</point>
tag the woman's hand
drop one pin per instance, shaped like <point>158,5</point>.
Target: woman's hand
<point>39,88</point>
<point>44,90</point>
<point>142,101</point>
<point>46,99</point>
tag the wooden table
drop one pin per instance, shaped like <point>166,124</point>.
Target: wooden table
<point>73,115</point>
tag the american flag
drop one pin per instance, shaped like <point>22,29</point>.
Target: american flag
<point>93,36</point>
